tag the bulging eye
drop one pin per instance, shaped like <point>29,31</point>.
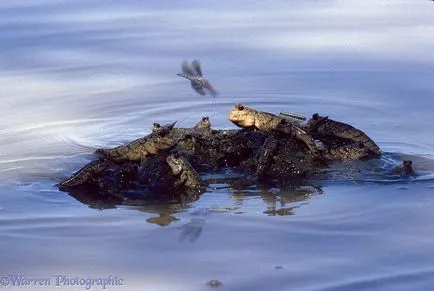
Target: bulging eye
<point>156,125</point>
<point>205,118</point>
<point>239,107</point>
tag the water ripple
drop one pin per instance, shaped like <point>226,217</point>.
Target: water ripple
<point>402,280</point>
<point>77,75</point>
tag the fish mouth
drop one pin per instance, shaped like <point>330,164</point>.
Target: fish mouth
<point>236,122</point>
<point>233,119</point>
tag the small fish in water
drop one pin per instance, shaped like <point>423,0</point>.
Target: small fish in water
<point>193,73</point>
<point>405,169</point>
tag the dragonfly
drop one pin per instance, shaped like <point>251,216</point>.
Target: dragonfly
<point>193,72</point>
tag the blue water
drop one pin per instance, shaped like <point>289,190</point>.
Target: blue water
<point>79,75</point>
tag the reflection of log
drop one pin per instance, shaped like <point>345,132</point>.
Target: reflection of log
<point>164,206</point>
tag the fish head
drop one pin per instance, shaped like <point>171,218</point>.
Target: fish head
<point>242,116</point>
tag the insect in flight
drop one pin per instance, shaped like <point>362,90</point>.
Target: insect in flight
<point>193,73</point>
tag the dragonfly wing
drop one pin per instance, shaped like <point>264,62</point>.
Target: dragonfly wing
<point>186,69</point>
<point>196,67</point>
<point>211,90</point>
<point>198,88</point>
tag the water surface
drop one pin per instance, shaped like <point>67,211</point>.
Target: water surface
<point>79,75</point>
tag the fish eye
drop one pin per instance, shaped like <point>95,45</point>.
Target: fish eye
<point>205,118</point>
<point>239,107</point>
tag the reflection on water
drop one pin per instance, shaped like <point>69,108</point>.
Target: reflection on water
<point>191,230</point>
<point>274,199</point>
<point>80,75</point>
<point>277,199</point>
